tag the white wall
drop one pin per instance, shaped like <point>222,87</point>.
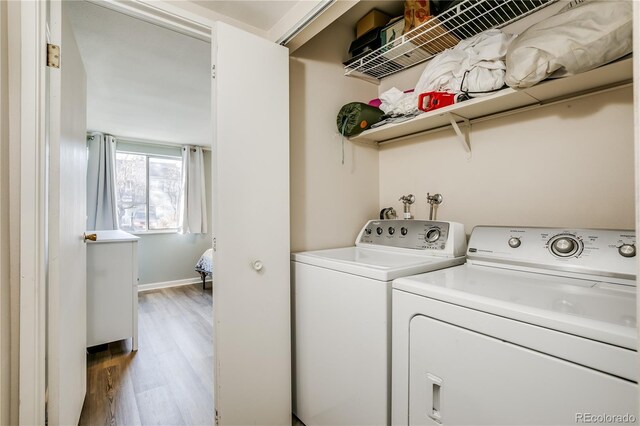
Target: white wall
<point>172,257</point>
<point>143,81</point>
<point>329,201</point>
<point>568,165</point>
<point>5,329</point>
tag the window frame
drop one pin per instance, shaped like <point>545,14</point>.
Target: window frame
<point>148,231</point>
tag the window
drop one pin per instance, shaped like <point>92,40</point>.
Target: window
<point>148,191</point>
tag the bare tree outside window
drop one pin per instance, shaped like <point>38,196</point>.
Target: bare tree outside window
<point>165,181</point>
<point>157,209</point>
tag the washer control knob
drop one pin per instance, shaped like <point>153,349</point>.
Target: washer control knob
<point>432,235</point>
<point>367,231</point>
<point>514,242</point>
<point>627,250</point>
<point>404,230</point>
<point>379,230</point>
<point>392,230</point>
<point>564,246</point>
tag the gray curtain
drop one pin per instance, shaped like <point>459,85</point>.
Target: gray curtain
<point>193,214</point>
<point>101,182</point>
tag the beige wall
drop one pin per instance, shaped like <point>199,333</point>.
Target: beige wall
<point>329,201</point>
<point>569,164</point>
<point>565,165</point>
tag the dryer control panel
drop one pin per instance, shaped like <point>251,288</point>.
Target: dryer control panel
<point>601,252</point>
<point>435,238</point>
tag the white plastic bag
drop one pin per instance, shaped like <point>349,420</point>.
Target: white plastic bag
<point>396,102</point>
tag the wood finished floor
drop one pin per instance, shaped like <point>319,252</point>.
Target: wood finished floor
<point>169,380</point>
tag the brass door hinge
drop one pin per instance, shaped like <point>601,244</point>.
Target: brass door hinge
<point>53,55</point>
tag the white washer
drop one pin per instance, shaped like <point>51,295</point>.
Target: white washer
<point>539,327</point>
<point>342,316</point>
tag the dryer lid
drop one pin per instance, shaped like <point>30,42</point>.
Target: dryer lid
<point>600,311</point>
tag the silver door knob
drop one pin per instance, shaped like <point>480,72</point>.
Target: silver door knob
<point>257,265</point>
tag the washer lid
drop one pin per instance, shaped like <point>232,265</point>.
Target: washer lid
<point>379,265</point>
<point>600,311</point>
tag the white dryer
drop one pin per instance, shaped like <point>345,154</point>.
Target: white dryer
<point>341,301</point>
<point>538,327</point>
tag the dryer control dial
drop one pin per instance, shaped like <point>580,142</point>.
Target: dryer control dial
<point>627,250</point>
<point>565,245</point>
<point>514,242</point>
<point>432,235</point>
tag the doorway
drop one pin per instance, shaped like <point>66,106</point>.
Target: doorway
<point>148,106</point>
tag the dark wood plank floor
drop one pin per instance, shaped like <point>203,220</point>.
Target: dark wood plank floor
<point>169,380</point>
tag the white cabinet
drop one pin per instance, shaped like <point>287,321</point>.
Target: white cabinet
<point>112,288</point>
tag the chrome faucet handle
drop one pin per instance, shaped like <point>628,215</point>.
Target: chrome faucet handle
<point>434,199</point>
<point>408,199</point>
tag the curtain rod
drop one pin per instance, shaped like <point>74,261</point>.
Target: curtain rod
<point>150,142</point>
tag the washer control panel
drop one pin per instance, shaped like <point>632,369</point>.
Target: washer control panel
<point>593,251</point>
<point>432,237</point>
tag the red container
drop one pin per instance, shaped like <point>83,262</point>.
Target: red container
<point>433,100</point>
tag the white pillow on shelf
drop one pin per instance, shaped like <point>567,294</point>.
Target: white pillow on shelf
<point>474,65</point>
<point>581,37</point>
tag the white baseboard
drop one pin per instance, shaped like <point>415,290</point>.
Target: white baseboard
<point>167,284</point>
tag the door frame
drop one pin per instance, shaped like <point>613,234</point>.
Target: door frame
<point>28,171</point>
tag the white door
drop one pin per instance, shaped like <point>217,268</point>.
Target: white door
<point>66,352</point>
<point>251,229</point>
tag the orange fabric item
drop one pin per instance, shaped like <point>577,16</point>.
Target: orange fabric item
<point>416,13</point>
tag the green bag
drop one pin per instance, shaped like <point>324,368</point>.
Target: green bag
<point>356,117</point>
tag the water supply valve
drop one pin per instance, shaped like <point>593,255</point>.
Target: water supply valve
<point>434,201</point>
<point>407,200</point>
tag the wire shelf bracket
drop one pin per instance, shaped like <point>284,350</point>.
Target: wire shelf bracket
<point>464,20</point>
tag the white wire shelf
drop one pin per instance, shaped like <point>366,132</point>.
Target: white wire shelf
<point>464,20</point>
